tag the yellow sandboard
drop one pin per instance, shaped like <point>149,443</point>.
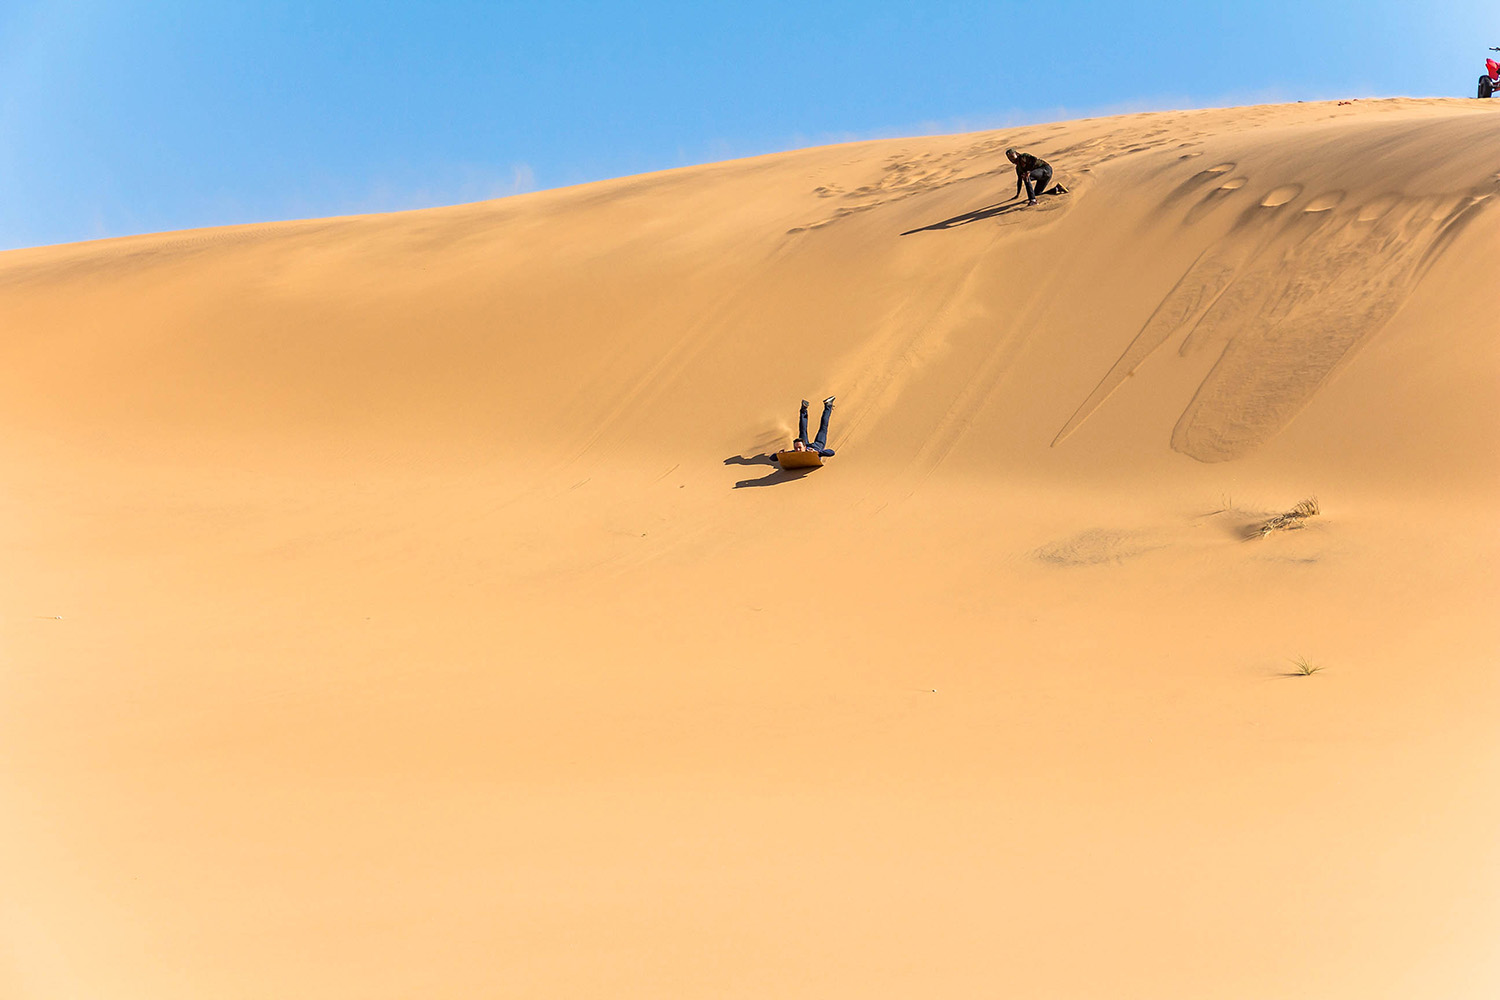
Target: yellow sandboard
<point>793,459</point>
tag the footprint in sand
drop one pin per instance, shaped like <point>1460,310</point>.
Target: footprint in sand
<point>1445,207</point>
<point>1280,309</point>
<point>1280,196</point>
<point>1324,202</point>
<point>1211,200</point>
<point>1376,208</point>
<point>1196,181</point>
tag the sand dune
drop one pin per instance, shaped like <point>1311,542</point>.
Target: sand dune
<point>406,605</point>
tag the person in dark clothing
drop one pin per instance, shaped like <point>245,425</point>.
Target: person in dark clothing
<point>1032,171</point>
<point>819,444</point>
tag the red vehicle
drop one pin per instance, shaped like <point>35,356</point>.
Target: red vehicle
<point>1490,82</point>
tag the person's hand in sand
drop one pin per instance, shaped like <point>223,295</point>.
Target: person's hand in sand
<point>1031,171</point>
<point>818,444</point>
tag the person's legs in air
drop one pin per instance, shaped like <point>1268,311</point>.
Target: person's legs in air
<point>802,424</point>
<point>820,443</point>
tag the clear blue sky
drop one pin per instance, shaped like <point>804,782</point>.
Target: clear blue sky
<point>130,117</point>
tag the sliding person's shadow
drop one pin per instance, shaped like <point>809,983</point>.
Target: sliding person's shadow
<point>776,475</point>
<point>979,215</point>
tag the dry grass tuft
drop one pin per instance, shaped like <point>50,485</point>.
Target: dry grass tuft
<point>1290,520</point>
<point>1305,667</point>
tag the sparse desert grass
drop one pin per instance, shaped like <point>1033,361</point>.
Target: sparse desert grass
<point>1305,667</point>
<point>1290,520</point>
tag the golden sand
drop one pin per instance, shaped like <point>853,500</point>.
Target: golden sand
<point>405,606</point>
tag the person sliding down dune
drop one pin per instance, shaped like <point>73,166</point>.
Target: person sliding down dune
<point>820,443</point>
<point>1032,171</point>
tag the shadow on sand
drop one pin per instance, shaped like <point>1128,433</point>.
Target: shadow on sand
<point>979,215</point>
<point>777,474</point>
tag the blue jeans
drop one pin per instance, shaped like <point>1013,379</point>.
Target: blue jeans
<point>818,444</point>
<point>1041,175</point>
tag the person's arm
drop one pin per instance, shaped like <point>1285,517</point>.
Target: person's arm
<point>1020,178</point>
